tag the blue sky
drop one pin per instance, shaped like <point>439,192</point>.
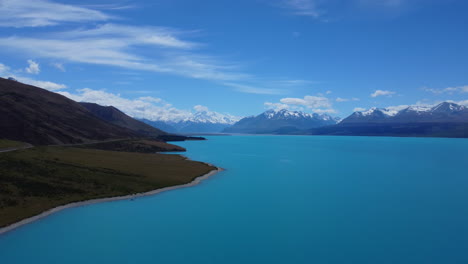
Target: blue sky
<point>166,59</point>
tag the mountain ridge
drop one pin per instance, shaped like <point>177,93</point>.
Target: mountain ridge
<point>115,116</point>
<point>200,122</point>
<point>446,119</point>
<point>280,121</point>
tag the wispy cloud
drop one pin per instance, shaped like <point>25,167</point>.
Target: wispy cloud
<point>302,7</point>
<point>324,9</point>
<point>115,49</point>
<point>340,100</point>
<point>141,48</point>
<point>253,89</point>
<point>38,13</point>
<point>382,93</point>
<point>385,3</point>
<point>132,35</point>
<point>448,90</point>
<point>58,66</point>
<point>107,44</point>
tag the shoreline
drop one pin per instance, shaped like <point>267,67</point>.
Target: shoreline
<point>54,210</point>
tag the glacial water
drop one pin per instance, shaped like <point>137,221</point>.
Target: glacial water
<point>282,199</point>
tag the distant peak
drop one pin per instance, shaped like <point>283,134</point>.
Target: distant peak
<point>448,107</point>
<point>292,114</point>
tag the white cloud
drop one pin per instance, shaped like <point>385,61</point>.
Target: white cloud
<point>151,99</point>
<point>143,107</point>
<point>4,69</point>
<point>339,99</point>
<point>317,104</point>
<point>382,93</point>
<point>302,7</point>
<point>33,67</point>
<point>359,109</point>
<point>308,101</point>
<point>448,90</point>
<point>51,86</point>
<point>37,13</point>
<point>200,108</point>
<point>276,106</point>
<point>148,107</point>
<point>324,111</point>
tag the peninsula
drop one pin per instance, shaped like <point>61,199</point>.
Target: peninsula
<point>56,152</point>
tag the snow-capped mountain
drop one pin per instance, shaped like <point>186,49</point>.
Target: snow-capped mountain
<point>280,122</point>
<point>199,122</point>
<point>209,117</point>
<point>443,112</point>
<point>443,120</point>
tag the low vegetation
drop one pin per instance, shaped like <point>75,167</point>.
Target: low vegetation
<point>40,178</point>
<point>6,144</point>
<point>134,145</point>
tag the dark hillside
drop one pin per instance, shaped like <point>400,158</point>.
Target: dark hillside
<point>37,116</point>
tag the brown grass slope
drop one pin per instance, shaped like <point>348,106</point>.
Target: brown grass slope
<point>41,178</point>
<point>37,116</point>
<point>115,116</point>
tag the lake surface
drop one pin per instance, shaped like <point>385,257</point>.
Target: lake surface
<point>282,199</point>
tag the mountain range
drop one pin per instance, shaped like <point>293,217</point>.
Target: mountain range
<point>443,120</point>
<point>199,122</point>
<point>37,116</point>
<point>280,122</point>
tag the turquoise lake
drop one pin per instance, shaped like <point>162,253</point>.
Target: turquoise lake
<point>282,199</point>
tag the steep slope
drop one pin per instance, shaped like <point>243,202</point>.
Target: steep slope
<point>280,122</point>
<point>37,116</point>
<point>115,116</point>
<point>443,120</point>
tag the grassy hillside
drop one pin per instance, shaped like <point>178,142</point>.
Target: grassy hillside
<point>37,179</point>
